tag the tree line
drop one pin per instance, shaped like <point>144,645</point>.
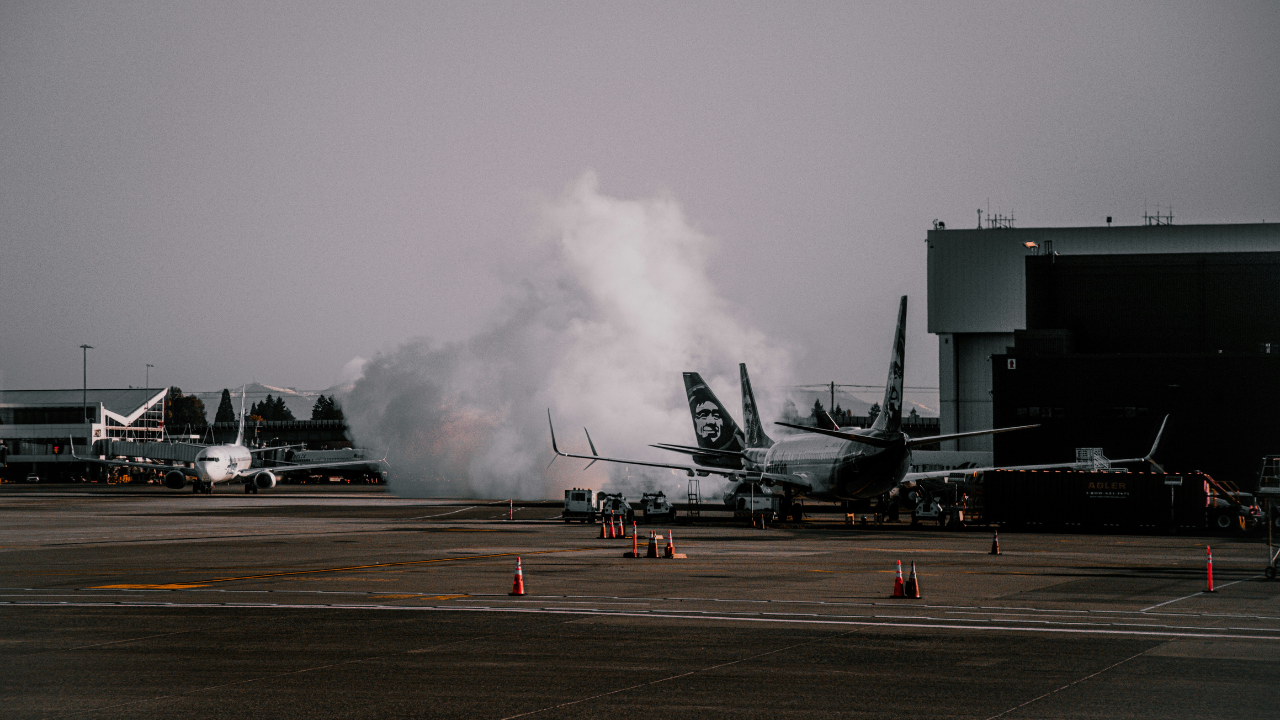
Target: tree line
<point>183,412</point>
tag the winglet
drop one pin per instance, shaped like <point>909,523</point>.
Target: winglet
<point>593,448</point>
<point>1150,457</point>
<point>553,439</point>
<point>553,433</point>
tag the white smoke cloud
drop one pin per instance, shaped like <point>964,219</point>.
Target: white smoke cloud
<point>600,334</point>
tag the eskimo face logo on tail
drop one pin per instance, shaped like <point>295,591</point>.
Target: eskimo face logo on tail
<point>712,424</point>
<point>708,421</point>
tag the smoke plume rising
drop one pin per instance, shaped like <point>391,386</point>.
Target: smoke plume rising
<point>599,333</point>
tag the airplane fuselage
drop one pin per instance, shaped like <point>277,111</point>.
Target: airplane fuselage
<point>219,463</point>
<point>836,469</point>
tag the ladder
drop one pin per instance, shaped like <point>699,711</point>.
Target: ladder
<point>694,488</point>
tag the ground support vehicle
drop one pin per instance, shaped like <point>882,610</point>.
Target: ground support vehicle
<point>951,502</point>
<point>656,508</point>
<point>615,505</point>
<point>1229,508</point>
<point>578,506</point>
<point>753,501</point>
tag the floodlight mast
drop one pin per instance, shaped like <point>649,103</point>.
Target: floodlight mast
<point>84,393</point>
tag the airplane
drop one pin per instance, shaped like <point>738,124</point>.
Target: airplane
<point>223,463</point>
<point>824,463</point>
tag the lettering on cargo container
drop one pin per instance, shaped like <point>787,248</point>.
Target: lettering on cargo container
<point>1106,490</point>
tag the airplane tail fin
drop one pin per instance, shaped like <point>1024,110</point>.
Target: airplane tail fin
<point>240,432</point>
<point>755,436</point>
<point>712,423</point>
<point>890,418</point>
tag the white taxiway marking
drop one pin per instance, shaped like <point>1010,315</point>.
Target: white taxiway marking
<point>1202,592</point>
<point>808,619</point>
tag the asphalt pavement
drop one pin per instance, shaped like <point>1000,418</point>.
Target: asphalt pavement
<point>352,604</point>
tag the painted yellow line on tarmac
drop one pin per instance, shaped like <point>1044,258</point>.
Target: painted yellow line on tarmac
<point>202,583</point>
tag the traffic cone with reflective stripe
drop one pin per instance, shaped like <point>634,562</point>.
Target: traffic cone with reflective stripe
<point>635,546</point>
<point>671,548</point>
<point>517,585</point>
<point>604,534</point>
<point>995,542</point>
<point>897,582</point>
<point>912,588</point>
<point>1210,550</point>
<point>653,546</point>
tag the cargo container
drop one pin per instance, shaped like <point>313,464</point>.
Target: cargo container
<point>1096,500</point>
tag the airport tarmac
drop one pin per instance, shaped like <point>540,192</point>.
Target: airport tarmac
<point>354,603</point>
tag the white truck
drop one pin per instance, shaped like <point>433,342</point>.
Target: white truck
<point>656,508</point>
<point>749,500</point>
<point>578,505</point>
<point>614,504</point>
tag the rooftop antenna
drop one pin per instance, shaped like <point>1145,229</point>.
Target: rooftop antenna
<point>979,218</point>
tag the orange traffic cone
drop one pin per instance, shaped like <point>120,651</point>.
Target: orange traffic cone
<point>633,532</point>
<point>1206,547</point>
<point>912,588</point>
<point>635,546</point>
<point>897,582</point>
<point>604,534</point>
<point>653,546</point>
<point>995,542</point>
<point>517,585</point>
<point>671,548</point>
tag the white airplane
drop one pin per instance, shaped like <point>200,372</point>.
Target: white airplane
<point>223,463</point>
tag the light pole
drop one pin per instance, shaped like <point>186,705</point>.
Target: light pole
<point>149,366</point>
<point>84,395</point>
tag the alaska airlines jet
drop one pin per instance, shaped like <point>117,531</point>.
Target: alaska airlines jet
<point>824,463</point>
<point>224,463</point>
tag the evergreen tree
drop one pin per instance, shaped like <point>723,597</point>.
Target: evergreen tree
<point>817,409</point>
<point>874,412</point>
<point>282,411</point>
<point>320,411</point>
<point>183,412</point>
<point>226,413</point>
<point>326,408</point>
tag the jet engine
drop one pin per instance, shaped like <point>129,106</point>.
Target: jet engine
<point>175,479</point>
<point>264,480</point>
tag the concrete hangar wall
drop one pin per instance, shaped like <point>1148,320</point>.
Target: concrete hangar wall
<point>1140,295</point>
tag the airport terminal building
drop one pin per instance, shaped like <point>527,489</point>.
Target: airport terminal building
<point>1096,333</point>
<point>36,425</point>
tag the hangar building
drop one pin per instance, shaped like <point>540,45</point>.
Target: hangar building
<point>1097,332</point>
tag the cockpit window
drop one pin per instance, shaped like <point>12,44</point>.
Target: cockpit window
<point>209,459</point>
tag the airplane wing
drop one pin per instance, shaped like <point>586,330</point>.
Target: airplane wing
<point>911,442</point>
<point>687,450</point>
<point>129,463</point>
<point>1148,458</point>
<point>843,435</point>
<point>690,470</point>
<point>277,447</point>
<point>250,472</point>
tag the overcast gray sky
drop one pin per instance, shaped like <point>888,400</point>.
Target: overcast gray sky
<point>268,190</point>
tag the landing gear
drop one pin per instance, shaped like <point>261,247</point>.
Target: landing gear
<point>199,487</point>
<point>250,488</point>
